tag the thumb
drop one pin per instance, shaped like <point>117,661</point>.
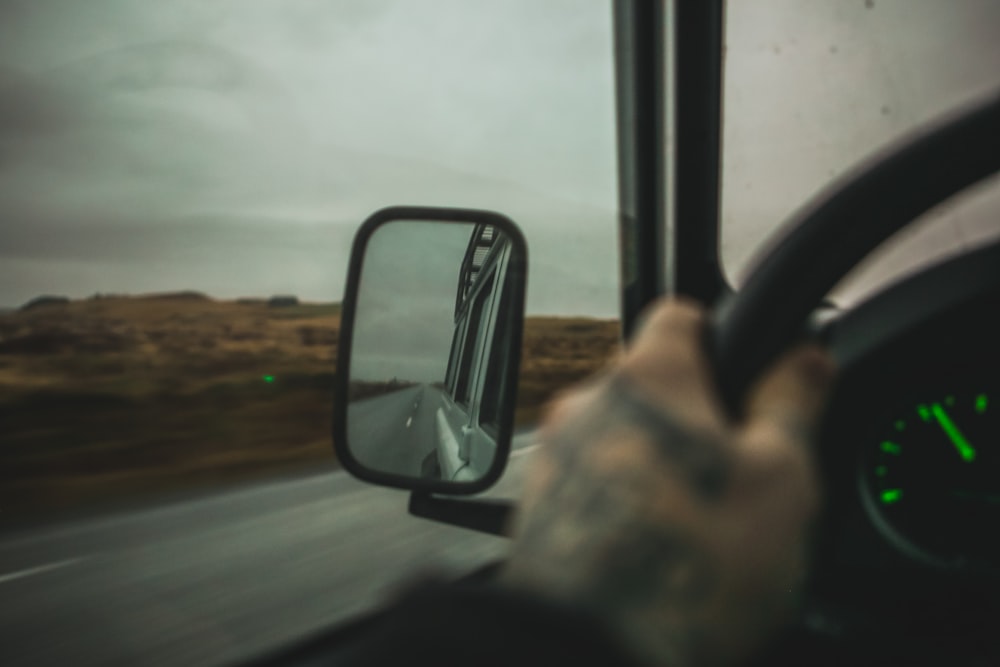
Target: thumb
<point>792,394</point>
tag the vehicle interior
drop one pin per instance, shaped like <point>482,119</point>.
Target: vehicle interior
<point>906,568</point>
<point>877,235</point>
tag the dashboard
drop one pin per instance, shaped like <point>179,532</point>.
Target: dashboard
<point>908,549</point>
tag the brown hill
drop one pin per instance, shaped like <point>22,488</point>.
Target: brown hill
<point>113,396</point>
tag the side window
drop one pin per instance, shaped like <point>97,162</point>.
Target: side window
<point>495,387</point>
<point>453,359</point>
<point>472,345</point>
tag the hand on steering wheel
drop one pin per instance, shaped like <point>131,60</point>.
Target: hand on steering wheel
<point>683,530</point>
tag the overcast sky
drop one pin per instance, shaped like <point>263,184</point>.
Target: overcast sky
<point>398,332</point>
<point>234,146</point>
<point>813,87</point>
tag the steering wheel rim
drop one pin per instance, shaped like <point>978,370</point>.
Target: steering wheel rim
<point>882,195</point>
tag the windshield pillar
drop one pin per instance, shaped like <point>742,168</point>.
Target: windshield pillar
<point>638,30</point>
<point>698,56</point>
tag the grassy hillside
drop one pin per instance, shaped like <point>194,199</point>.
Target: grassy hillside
<point>116,396</point>
<point>558,352</point>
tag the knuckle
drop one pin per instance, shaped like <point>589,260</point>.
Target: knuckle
<point>677,316</point>
<point>774,455</point>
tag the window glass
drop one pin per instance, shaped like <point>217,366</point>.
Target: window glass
<point>453,359</point>
<point>478,315</point>
<point>494,387</point>
<point>180,183</point>
<point>811,88</point>
<point>224,154</point>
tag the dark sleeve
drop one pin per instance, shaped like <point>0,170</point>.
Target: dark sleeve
<point>484,625</point>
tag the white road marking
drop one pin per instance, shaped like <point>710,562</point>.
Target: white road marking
<point>408,422</point>
<point>37,570</point>
<point>523,451</point>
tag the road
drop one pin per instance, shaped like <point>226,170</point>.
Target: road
<point>216,579</point>
<point>395,432</point>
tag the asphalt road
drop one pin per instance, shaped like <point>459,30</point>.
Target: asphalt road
<point>216,579</point>
<point>394,433</point>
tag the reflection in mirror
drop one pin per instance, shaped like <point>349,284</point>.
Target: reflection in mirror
<point>431,345</point>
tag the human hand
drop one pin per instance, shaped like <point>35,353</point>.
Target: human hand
<point>646,505</point>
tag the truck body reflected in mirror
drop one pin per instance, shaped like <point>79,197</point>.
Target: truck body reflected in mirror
<point>434,325</point>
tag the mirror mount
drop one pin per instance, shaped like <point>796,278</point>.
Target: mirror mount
<point>463,452</point>
<point>490,516</point>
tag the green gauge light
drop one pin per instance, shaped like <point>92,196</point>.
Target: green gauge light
<point>929,474</point>
<point>965,450</point>
<point>890,496</point>
<point>890,447</point>
<point>924,412</point>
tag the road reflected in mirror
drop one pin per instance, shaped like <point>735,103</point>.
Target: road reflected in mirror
<point>431,346</point>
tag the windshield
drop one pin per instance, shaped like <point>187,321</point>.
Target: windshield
<point>813,88</point>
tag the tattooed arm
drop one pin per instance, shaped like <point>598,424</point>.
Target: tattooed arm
<point>646,506</point>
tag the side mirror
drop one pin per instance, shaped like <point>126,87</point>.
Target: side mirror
<point>430,345</point>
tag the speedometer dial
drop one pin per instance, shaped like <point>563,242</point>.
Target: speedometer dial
<point>931,478</point>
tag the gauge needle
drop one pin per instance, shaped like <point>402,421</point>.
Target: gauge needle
<point>965,450</point>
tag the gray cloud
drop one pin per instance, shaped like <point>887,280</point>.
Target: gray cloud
<point>814,88</point>
<point>406,304</point>
<point>188,137</point>
<point>201,141</point>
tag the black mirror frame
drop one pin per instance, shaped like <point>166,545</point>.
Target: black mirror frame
<point>518,275</point>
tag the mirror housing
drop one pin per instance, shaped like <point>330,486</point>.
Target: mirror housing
<point>430,348</point>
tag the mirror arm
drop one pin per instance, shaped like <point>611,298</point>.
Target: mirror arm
<point>484,515</point>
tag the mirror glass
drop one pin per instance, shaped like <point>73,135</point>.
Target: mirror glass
<point>431,349</point>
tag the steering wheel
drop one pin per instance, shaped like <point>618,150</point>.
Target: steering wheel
<point>828,238</point>
<point>842,225</point>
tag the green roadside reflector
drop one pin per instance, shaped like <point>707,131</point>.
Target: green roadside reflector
<point>981,403</point>
<point>269,379</point>
<point>890,447</point>
<point>890,496</point>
